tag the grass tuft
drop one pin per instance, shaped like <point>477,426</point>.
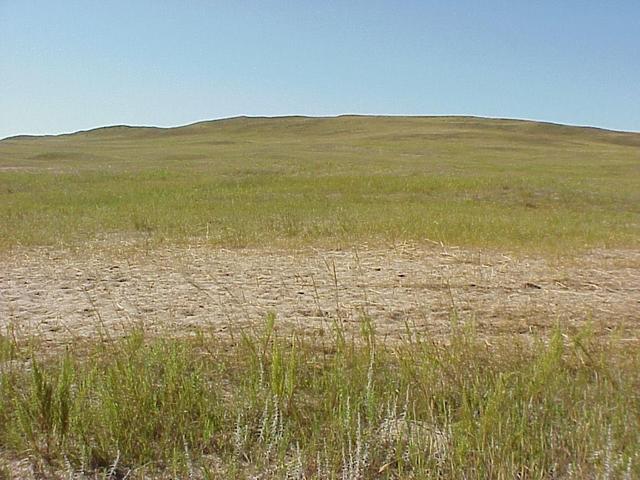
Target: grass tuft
<point>290,406</point>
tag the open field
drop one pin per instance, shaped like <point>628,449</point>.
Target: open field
<point>336,182</point>
<point>348,298</point>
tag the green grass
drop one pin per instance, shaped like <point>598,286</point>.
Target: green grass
<point>327,407</point>
<point>335,405</point>
<point>297,181</point>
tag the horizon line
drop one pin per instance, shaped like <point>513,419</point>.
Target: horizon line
<point>284,116</point>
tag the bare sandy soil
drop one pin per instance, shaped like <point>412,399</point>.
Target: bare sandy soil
<point>62,296</point>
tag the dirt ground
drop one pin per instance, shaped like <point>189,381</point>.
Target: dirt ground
<point>67,295</point>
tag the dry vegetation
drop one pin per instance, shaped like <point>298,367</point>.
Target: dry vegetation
<point>455,298</point>
<point>65,296</point>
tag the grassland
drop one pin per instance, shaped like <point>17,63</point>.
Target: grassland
<point>510,185</point>
<point>138,354</point>
<point>274,406</point>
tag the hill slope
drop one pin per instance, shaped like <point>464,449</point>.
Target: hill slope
<point>244,181</point>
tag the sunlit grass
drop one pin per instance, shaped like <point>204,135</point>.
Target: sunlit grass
<point>290,182</point>
<point>338,406</point>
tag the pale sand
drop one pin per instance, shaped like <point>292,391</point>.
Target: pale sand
<point>63,295</point>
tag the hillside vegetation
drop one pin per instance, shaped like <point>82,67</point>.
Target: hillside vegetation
<point>372,362</point>
<point>506,184</point>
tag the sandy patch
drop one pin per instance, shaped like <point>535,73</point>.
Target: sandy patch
<point>63,296</point>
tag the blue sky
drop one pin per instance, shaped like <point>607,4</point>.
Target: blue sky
<point>71,65</point>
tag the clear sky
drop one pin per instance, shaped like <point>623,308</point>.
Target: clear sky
<point>71,65</point>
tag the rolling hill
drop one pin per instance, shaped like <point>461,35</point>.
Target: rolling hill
<point>245,181</point>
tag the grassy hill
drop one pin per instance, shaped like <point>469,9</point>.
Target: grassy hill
<point>508,184</point>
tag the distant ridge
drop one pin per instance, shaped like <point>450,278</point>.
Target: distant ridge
<point>522,126</point>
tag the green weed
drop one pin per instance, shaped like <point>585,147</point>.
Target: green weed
<point>290,406</point>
